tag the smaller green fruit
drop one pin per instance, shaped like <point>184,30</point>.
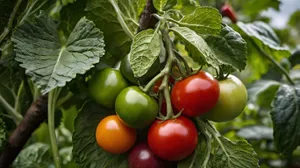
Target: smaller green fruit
<point>105,86</point>
<point>135,108</point>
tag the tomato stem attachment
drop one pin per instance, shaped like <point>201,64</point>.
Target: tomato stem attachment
<point>180,57</point>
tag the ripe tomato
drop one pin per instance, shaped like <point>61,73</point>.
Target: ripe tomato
<point>105,86</point>
<point>126,71</point>
<point>174,139</point>
<point>163,108</point>
<point>114,136</point>
<point>196,94</point>
<point>141,156</point>
<point>228,11</point>
<point>135,108</point>
<point>232,100</point>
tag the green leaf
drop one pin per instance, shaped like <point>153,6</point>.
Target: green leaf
<point>50,62</point>
<point>294,19</point>
<point>286,118</point>
<point>162,5</point>
<point>265,38</point>
<point>256,132</point>
<point>239,154</point>
<point>145,49</point>
<point>229,47</point>
<point>204,20</point>
<point>196,46</point>
<point>253,10</point>
<point>86,151</point>
<point>186,6</point>
<point>34,156</point>
<point>3,135</point>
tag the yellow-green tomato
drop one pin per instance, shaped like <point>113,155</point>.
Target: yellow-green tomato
<point>105,86</point>
<point>232,100</point>
<point>135,108</point>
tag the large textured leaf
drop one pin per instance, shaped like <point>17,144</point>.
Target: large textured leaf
<point>50,62</point>
<point>256,132</point>
<point>3,136</point>
<point>265,38</point>
<point>34,156</point>
<point>204,20</point>
<point>229,47</point>
<point>161,5</point>
<point>104,15</point>
<point>286,118</point>
<point>238,154</point>
<point>186,6</point>
<point>86,151</point>
<point>197,47</point>
<point>145,49</point>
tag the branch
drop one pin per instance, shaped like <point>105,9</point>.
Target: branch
<point>35,115</point>
<point>146,19</point>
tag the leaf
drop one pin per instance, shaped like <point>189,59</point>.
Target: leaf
<point>34,156</point>
<point>265,38</point>
<point>256,132</point>
<point>238,154</point>
<point>86,151</point>
<point>286,118</point>
<point>196,46</point>
<point>253,10</point>
<point>162,5</point>
<point>229,47</point>
<point>294,19</point>
<point>50,62</point>
<point>295,57</point>
<point>186,6</point>
<point>145,49</point>
<point>103,14</point>
<point>3,135</point>
<point>204,20</point>
<point>263,92</point>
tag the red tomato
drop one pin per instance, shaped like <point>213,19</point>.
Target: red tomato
<point>227,11</point>
<point>158,83</point>
<point>174,139</point>
<point>163,108</point>
<point>196,94</point>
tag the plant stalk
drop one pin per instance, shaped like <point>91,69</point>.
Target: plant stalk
<point>17,117</point>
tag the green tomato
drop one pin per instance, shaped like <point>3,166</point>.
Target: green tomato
<point>232,100</point>
<point>105,86</point>
<point>135,108</point>
<point>126,71</point>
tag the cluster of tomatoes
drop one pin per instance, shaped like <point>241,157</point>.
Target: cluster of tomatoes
<point>199,95</point>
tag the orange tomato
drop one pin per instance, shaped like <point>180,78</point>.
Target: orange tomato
<point>113,136</point>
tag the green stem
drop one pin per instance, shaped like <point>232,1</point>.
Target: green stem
<point>10,22</point>
<point>282,70</point>
<point>152,82</point>
<point>160,100</point>
<point>121,20</point>
<point>62,100</point>
<point>17,117</point>
<point>180,57</point>
<point>19,95</point>
<point>53,95</point>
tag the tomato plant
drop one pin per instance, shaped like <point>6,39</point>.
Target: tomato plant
<point>173,140</point>
<point>196,94</point>
<point>114,136</point>
<point>135,108</point>
<point>232,100</point>
<point>105,86</point>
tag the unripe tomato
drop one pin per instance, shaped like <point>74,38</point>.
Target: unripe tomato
<point>126,71</point>
<point>227,10</point>
<point>196,94</point>
<point>141,156</point>
<point>174,139</point>
<point>232,100</point>
<point>114,136</point>
<point>135,108</point>
<point>105,86</point>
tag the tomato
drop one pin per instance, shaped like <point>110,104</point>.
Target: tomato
<point>141,156</point>
<point>174,139</point>
<point>232,101</point>
<point>105,86</point>
<point>163,108</point>
<point>227,10</point>
<point>158,83</point>
<point>114,136</point>
<point>196,94</point>
<point>126,71</point>
<point>135,108</point>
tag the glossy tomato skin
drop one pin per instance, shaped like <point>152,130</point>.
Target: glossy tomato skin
<point>114,136</point>
<point>232,100</point>
<point>141,156</point>
<point>196,94</point>
<point>135,108</point>
<point>174,139</point>
<point>126,71</point>
<point>105,86</point>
